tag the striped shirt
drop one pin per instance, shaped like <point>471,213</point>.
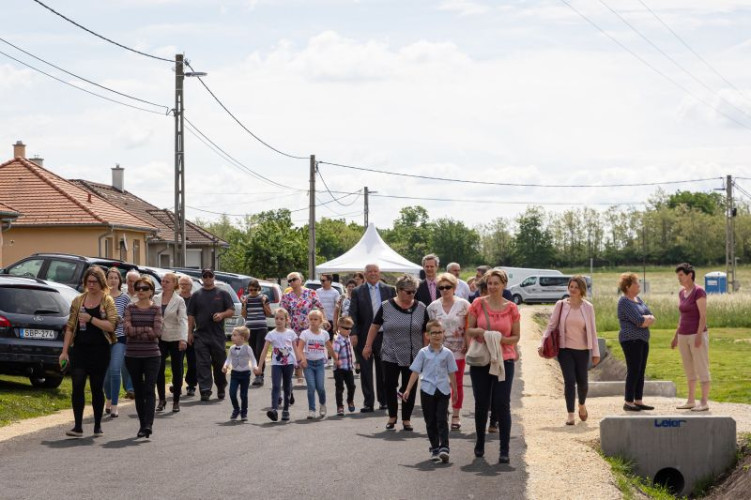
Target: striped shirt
<point>143,327</point>
<point>255,317</point>
<point>343,348</point>
<point>121,302</point>
<point>630,316</point>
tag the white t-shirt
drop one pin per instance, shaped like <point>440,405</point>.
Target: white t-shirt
<point>283,347</point>
<point>314,345</point>
<point>328,298</point>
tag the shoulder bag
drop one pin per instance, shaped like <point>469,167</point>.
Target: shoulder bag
<point>550,345</point>
<point>478,354</point>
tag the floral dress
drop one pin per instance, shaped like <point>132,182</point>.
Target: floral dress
<point>299,307</point>
<point>453,323</point>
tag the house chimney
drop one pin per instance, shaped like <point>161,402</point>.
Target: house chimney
<point>39,161</point>
<point>118,178</point>
<point>19,150</point>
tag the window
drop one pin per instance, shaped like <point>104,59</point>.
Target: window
<point>554,280</point>
<point>136,252</point>
<point>29,267</point>
<point>62,271</point>
<point>529,281</point>
<point>33,301</point>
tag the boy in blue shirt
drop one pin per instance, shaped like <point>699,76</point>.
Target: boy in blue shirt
<point>436,368</point>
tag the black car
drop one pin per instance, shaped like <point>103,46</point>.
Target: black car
<point>238,282</point>
<point>63,268</point>
<point>33,315</point>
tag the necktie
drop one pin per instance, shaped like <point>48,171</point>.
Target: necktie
<point>431,288</point>
<point>374,299</point>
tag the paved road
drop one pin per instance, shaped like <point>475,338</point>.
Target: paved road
<point>200,453</point>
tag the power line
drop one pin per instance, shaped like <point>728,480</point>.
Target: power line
<point>743,191</point>
<point>290,211</point>
<point>516,184</point>
<point>84,79</point>
<point>100,36</point>
<point>221,152</point>
<point>688,46</point>
<point>331,193</point>
<point>670,58</point>
<point>241,123</point>
<point>650,66</point>
<point>499,202</point>
<point>80,88</point>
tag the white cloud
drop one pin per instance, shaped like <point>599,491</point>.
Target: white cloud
<point>464,7</point>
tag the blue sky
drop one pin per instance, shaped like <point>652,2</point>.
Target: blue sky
<point>522,91</point>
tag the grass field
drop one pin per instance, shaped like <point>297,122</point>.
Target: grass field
<point>729,358</point>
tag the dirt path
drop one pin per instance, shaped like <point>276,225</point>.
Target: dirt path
<point>561,462</point>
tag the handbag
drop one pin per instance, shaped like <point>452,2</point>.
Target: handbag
<point>550,345</point>
<point>478,354</point>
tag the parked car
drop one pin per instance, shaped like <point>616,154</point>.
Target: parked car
<point>63,268</point>
<point>273,293</point>
<point>316,284</point>
<point>33,315</point>
<point>541,289</point>
<point>238,282</point>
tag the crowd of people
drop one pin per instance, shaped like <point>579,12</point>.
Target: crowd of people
<point>429,330</point>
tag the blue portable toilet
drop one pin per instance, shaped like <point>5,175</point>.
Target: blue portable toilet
<point>715,282</point>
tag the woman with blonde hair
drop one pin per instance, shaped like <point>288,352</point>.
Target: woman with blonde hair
<point>574,317</point>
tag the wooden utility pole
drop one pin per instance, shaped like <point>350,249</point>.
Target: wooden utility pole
<point>312,220</point>
<point>365,196</point>
<point>729,235</point>
<point>179,248</point>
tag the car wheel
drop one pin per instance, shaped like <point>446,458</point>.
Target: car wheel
<point>517,299</point>
<point>47,382</point>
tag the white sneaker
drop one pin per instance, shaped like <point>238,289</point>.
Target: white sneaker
<point>322,411</point>
<point>311,414</point>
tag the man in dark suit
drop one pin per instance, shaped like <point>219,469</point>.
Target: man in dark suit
<point>427,292</point>
<point>364,303</point>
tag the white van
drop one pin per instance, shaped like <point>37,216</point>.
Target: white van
<point>542,288</point>
<point>518,274</point>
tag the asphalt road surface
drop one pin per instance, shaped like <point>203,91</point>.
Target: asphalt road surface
<point>201,453</point>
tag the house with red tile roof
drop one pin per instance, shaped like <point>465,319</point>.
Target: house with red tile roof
<point>56,215</point>
<point>7,217</point>
<point>202,247</point>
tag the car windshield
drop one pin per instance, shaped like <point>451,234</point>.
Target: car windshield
<point>18,300</point>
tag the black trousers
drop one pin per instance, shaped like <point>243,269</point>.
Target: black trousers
<point>191,378</point>
<point>483,385</point>
<point>171,350</point>
<point>574,364</point>
<point>391,372</point>
<point>342,377</point>
<point>367,382</point>
<point>92,362</point>
<point>435,409</point>
<point>256,342</point>
<point>144,373</point>
<point>210,357</point>
<point>636,353</point>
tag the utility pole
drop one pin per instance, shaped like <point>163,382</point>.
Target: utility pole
<point>179,253</point>
<point>366,193</point>
<point>729,235</point>
<point>312,220</point>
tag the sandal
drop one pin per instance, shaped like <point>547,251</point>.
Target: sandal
<point>407,426</point>
<point>455,424</point>
<point>583,415</point>
<point>390,425</point>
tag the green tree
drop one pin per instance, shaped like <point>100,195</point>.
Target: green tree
<point>334,237</point>
<point>231,259</point>
<point>496,243</point>
<point>275,248</point>
<point>533,244</point>
<point>707,203</point>
<point>452,241</point>
<point>411,233</point>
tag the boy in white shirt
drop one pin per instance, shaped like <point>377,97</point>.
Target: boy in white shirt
<point>242,360</point>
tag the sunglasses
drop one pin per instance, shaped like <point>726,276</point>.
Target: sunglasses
<point>345,327</point>
<point>142,288</point>
<point>292,279</point>
<point>254,289</point>
<point>408,292</point>
<point>445,287</point>
<point>207,275</point>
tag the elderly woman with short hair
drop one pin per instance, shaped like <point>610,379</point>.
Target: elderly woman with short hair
<point>403,320</point>
<point>634,318</point>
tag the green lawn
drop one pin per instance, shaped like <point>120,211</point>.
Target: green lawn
<point>729,359</point>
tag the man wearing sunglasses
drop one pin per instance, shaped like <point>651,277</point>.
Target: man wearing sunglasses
<point>207,310</point>
<point>365,301</point>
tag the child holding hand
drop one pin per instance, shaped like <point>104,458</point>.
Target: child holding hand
<point>281,340</point>
<point>344,363</point>
<point>312,348</point>
<point>436,367</point>
<point>241,360</point>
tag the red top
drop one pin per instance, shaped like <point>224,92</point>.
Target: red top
<point>500,321</point>
<point>688,324</point>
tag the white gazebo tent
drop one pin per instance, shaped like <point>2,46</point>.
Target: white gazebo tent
<point>371,249</point>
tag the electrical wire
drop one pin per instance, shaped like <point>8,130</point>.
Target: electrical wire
<point>80,88</point>
<point>515,184</point>
<point>294,157</point>
<point>743,191</point>
<point>499,202</point>
<point>683,42</point>
<point>318,171</point>
<point>84,79</point>
<point>671,59</point>
<point>221,152</point>
<point>100,36</point>
<point>653,68</point>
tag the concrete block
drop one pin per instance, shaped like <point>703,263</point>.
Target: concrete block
<point>663,388</point>
<point>603,352</point>
<point>673,450</point>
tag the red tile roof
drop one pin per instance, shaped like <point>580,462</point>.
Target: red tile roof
<point>5,209</point>
<point>162,219</point>
<point>43,199</point>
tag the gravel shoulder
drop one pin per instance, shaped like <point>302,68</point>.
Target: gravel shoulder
<point>561,461</point>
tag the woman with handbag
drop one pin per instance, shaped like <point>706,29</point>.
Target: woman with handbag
<point>573,323</point>
<point>451,311</point>
<point>88,336</point>
<point>495,319</point>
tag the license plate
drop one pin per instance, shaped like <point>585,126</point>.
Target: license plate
<point>33,333</point>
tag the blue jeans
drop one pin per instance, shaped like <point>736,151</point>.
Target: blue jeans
<point>281,375</point>
<point>116,367</point>
<point>314,375</point>
<point>241,380</point>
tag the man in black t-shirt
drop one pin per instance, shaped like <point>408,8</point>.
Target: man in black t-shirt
<point>207,310</point>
